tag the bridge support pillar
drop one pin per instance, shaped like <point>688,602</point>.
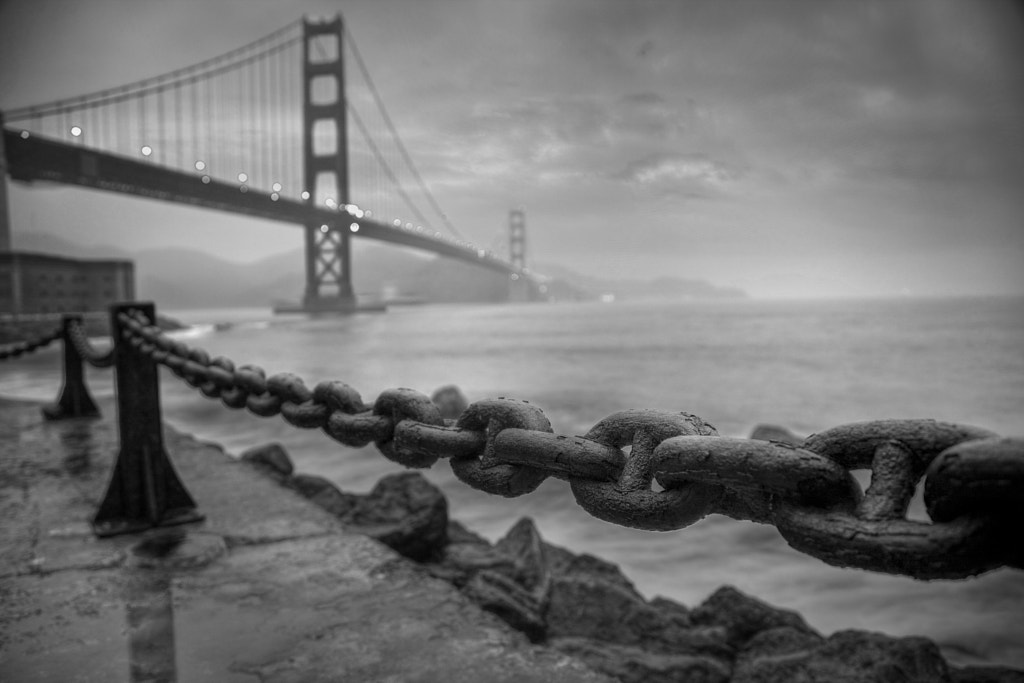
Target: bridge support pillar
<point>5,215</point>
<point>325,151</point>
<point>519,284</point>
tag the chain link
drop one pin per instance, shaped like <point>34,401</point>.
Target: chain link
<point>86,351</point>
<point>973,480</point>
<point>19,349</point>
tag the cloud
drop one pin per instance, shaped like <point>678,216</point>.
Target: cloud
<point>686,175</point>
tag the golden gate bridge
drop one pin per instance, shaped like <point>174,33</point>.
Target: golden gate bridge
<point>261,130</point>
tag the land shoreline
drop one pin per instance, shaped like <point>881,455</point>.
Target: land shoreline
<point>283,579</point>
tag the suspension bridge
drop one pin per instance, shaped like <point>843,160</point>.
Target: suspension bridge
<point>262,130</point>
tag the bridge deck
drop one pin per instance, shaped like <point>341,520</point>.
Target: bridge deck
<point>35,158</point>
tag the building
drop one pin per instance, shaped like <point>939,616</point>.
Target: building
<point>33,283</point>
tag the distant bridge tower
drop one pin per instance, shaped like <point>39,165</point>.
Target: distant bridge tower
<point>325,152</point>
<point>519,288</point>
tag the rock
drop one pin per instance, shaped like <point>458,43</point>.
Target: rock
<point>631,664</point>
<point>323,492</point>
<point>561,562</point>
<point>781,640</point>
<point>844,657</point>
<point>460,561</point>
<point>509,579</point>
<point>524,546</point>
<point>407,513</point>
<point>589,607</point>
<point>743,616</point>
<point>679,614</point>
<point>986,674</point>
<point>458,533</point>
<point>766,432</point>
<point>272,457</point>
<point>503,597</point>
<point>590,598</point>
<point>450,401</point>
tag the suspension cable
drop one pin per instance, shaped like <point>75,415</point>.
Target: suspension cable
<point>398,140</point>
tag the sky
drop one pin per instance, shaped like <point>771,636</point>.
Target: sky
<point>812,148</point>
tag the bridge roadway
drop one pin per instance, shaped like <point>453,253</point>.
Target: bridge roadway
<point>36,158</point>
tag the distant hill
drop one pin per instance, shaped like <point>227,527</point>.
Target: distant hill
<point>187,278</point>
<point>654,288</point>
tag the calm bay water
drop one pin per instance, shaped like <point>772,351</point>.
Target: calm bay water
<point>805,365</point>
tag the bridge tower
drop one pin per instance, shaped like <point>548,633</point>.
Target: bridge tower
<point>325,173</point>
<point>5,216</point>
<point>519,287</point>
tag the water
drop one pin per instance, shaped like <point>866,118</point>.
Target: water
<point>805,365</point>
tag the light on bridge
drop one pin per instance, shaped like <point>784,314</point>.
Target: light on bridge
<point>305,194</point>
<point>408,226</point>
<point>242,177</point>
<point>325,228</point>
<point>25,135</point>
<point>331,204</point>
<point>397,223</point>
<point>514,276</point>
<point>481,253</point>
<point>76,130</point>
<point>368,213</point>
<point>354,227</point>
<point>200,165</point>
<point>276,187</point>
<point>146,150</point>
<point>274,196</point>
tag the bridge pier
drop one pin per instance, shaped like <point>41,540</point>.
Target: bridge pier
<point>328,270</point>
<point>5,216</point>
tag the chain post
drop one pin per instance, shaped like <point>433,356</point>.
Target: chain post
<point>74,399</point>
<point>144,489</point>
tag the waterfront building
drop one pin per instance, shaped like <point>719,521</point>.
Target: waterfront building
<point>32,283</point>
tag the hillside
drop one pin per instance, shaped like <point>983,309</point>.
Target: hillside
<point>188,278</point>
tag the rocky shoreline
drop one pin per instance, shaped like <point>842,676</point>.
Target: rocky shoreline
<point>586,607</point>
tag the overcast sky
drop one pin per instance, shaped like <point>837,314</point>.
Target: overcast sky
<point>809,148</point>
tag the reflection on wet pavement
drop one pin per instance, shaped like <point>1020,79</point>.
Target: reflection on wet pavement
<point>150,610</point>
<point>78,441</point>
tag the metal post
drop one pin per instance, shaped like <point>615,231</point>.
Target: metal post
<point>144,490</point>
<point>74,399</point>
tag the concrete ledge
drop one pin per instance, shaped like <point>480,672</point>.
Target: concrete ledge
<point>270,587</point>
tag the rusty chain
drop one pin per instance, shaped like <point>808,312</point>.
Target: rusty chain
<point>85,349</point>
<point>21,348</point>
<point>973,479</point>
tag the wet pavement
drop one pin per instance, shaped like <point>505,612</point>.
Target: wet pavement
<point>268,588</point>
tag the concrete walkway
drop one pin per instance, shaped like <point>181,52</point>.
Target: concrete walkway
<point>269,588</point>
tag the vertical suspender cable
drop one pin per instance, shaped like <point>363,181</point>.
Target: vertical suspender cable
<point>210,119</point>
<point>179,135</point>
<point>160,135</point>
<point>142,120</point>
